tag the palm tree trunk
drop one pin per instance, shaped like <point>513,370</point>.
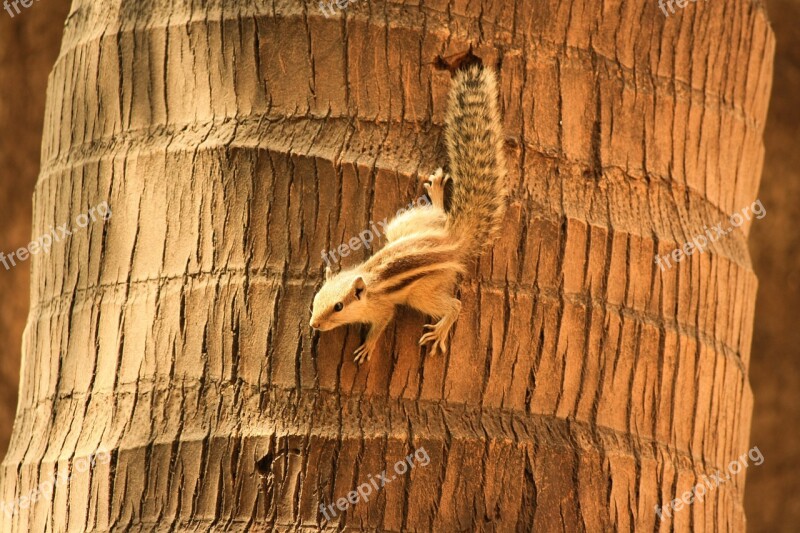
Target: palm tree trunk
<point>235,143</point>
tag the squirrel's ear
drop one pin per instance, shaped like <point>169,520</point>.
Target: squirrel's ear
<point>328,273</point>
<point>358,287</point>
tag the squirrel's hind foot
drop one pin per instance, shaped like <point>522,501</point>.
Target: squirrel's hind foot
<point>437,335</point>
<point>435,187</point>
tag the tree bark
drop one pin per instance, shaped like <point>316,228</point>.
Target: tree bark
<point>234,143</point>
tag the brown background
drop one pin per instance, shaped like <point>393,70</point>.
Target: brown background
<point>28,47</point>
<point>29,44</point>
<point>771,495</point>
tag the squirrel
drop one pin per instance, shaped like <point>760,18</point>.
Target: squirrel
<point>429,247</point>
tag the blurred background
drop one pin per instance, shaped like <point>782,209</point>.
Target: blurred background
<point>29,44</point>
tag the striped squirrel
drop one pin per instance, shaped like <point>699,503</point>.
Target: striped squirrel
<point>429,247</point>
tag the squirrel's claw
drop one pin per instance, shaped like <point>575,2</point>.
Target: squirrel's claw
<point>435,187</point>
<point>437,179</point>
<point>361,354</point>
<point>435,336</point>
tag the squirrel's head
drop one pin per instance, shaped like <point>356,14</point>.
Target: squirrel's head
<point>340,301</point>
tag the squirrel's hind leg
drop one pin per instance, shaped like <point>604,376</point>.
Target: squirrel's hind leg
<point>442,305</point>
<point>435,187</point>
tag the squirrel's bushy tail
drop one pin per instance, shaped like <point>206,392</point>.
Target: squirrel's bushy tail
<point>474,138</point>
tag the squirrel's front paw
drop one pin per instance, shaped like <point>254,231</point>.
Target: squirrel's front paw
<point>362,353</point>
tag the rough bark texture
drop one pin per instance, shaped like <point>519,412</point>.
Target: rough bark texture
<point>28,47</point>
<point>234,143</point>
<point>772,488</point>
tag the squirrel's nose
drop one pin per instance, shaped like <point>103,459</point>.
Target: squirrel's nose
<point>314,323</point>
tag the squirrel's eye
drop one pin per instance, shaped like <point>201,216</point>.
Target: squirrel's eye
<point>338,307</point>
